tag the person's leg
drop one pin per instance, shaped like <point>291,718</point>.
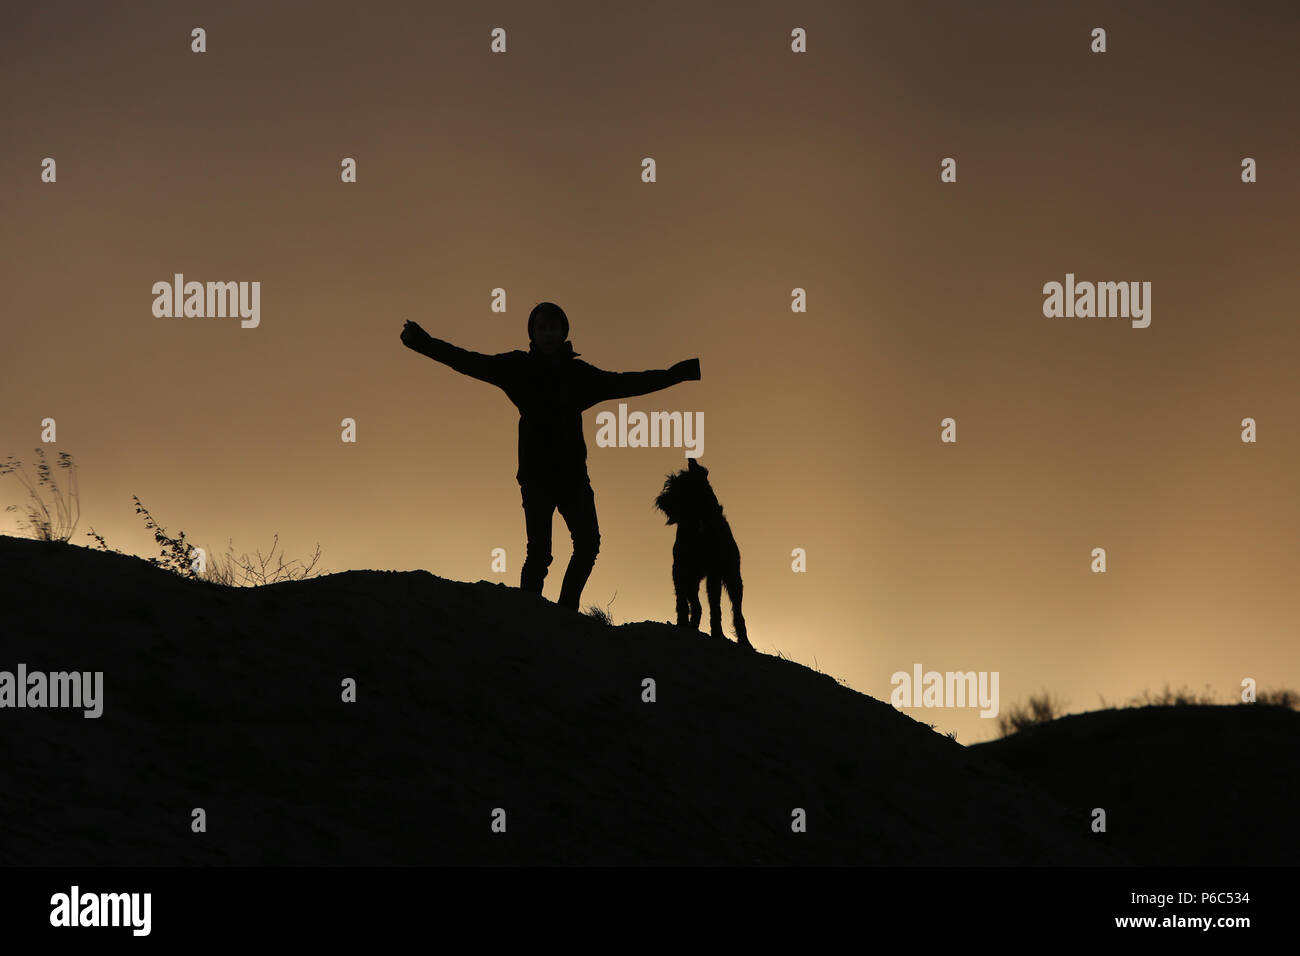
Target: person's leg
<point>539,506</point>
<point>578,508</point>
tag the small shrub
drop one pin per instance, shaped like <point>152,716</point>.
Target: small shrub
<point>261,570</point>
<point>176,554</point>
<point>1040,709</point>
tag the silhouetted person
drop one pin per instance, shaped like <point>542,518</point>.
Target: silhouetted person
<point>552,388</point>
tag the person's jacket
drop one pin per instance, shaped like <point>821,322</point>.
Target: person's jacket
<point>551,393</point>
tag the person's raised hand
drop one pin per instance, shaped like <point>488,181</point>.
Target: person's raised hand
<point>688,371</point>
<point>414,337</point>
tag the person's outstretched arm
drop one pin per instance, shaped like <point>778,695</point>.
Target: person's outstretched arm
<point>605,386</point>
<point>485,368</point>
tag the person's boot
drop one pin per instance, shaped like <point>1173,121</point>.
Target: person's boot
<point>532,575</point>
<point>575,579</point>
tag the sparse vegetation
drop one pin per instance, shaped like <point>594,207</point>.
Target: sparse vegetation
<point>265,569</point>
<point>1279,698</point>
<point>602,615</point>
<point>1182,697</point>
<point>55,510</point>
<point>178,556</point>
<point>222,569</point>
<point>1039,709</point>
<point>1042,709</point>
<point>53,520</point>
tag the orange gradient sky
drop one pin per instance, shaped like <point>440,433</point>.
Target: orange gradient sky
<point>775,171</point>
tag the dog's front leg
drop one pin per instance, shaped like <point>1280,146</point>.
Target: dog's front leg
<point>682,589</point>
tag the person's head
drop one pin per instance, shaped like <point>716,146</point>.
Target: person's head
<point>548,326</point>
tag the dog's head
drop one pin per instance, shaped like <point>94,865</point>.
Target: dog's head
<point>687,496</point>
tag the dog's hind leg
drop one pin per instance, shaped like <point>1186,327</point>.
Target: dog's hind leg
<point>713,587</point>
<point>734,591</point>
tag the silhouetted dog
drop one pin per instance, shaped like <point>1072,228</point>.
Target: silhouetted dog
<point>704,549</point>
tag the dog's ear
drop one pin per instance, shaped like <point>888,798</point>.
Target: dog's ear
<point>692,464</point>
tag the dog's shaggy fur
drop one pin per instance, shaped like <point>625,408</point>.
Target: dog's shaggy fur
<point>704,550</point>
